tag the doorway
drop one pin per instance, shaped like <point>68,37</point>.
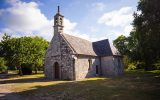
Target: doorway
<point>56,70</point>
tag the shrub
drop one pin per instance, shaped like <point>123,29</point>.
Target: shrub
<point>131,66</point>
<point>140,65</point>
<point>26,69</point>
<point>126,61</point>
<point>157,65</point>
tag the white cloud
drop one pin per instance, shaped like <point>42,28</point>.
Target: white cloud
<point>1,34</point>
<point>127,30</point>
<point>117,18</point>
<point>118,22</point>
<point>69,26</point>
<point>26,19</point>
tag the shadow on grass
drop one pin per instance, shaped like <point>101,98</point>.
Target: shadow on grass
<point>132,86</point>
<point>4,76</point>
<point>26,80</point>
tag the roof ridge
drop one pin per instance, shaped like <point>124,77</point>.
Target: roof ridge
<point>100,40</point>
<point>77,37</point>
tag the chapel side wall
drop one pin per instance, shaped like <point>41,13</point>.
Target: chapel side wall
<point>82,68</point>
<point>107,66</point>
<point>110,66</point>
<point>118,61</point>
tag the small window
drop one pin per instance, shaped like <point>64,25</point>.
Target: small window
<point>90,64</point>
<point>96,69</point>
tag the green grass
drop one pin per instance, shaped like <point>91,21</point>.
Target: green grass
<point>134,85</point>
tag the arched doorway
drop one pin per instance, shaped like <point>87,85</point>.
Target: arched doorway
<point>56,70</point>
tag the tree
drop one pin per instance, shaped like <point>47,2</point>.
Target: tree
<point>147,31</point>
<point>121,44</point>
<point>38,48</point>
<point>24,50</point>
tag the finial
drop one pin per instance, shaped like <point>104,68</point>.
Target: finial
<point>58,10</point>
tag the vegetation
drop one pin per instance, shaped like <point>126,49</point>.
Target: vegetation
<point>3,66</point>
<point>142,46</point>
<point>22,51</point>
<point>134,85</point>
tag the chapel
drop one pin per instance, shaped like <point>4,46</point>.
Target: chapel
<point>73,58</point>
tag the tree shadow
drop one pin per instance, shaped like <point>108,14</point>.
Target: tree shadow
<point>128,87</point>
<point>26,80</point>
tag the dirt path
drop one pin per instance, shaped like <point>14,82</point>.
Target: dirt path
<point>7,94</point>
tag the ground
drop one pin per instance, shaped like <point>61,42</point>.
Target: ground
<point>133,85</point>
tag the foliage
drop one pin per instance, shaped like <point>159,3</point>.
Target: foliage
<point>23,50</point>
<point>3,66</point>
<point>147,30</point>
<point>157,64</point>
<point>126,61</point>
<point>121,43</point>
<point>26,69</point>
<point>142,45</point>
<point>131,66</point>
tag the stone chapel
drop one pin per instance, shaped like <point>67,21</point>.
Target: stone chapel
<point>73,58</point>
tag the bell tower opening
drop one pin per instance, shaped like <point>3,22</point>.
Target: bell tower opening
<point>58,22</point>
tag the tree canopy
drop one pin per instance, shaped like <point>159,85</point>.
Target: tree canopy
<point>23,50</point>
<point>143,42</point>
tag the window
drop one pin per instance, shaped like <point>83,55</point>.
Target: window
<point>90,64</point>
<point>96,69</point>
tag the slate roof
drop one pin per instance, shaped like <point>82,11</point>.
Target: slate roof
<point>103,48</point>
<point>85,47</point>
<point>79,45</point>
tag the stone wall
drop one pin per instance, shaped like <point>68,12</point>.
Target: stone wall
<point>82,69</point>
<point>52,55</point>
<point>119,65</point>
<point>111,67</point>
<point>59,51</point>
<point>67,61</point>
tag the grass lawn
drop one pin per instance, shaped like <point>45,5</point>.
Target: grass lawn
<point>134,85</point>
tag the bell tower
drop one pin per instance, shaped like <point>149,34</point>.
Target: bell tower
<point>58,22</point>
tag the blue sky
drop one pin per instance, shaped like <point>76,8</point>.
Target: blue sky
<point>89,19</point>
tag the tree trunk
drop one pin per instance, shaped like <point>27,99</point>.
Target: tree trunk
<point>36,70</point>
<point>20,70</point>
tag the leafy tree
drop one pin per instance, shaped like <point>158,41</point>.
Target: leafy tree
<point>121,44</point>
<point>3,66</point>
<point>24,50</point>
<point>143,43</point>
<point>38,48</point>
<point>147,30</point>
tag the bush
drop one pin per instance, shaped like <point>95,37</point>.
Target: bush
<point>157,65</point>
<point>140,65</point>
<point>126,61</point>
<point>131,66</point>
<point>3,67</point>
<point>26,69</point>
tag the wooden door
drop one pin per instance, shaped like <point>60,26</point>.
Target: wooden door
<point>56,67</point>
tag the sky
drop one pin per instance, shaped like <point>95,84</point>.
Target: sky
<point>89,19</point>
